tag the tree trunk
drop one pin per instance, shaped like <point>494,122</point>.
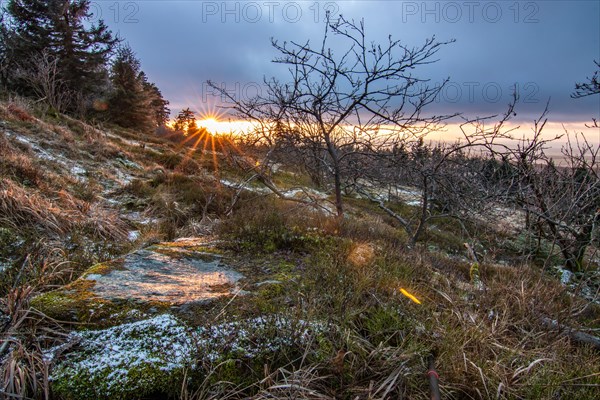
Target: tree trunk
<point>338,192</point>
<point>337,179</point>
<point>424,207</point>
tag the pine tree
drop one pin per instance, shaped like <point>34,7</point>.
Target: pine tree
<point>186,121</point>
<point>134,101</point>
<point>25,32</point>
<point>83,52</point>
<point>158,105</point>
<point>4,54</point>
<point>129,103</point>
<point>57,28</point>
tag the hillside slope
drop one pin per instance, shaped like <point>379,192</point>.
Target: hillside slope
<point>319,308</point>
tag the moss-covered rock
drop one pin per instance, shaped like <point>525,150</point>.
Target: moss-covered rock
<point>151,358</point>
<point>156,278</point>
<point>129,361</point>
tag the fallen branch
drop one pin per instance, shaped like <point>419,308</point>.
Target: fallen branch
<point>405,224</point>
<point>573,334</point>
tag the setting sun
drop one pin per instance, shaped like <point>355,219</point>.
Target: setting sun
<point>211,125</point>
<point>215,127</point>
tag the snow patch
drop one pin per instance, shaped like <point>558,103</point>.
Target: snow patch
<point>123,177</point>
<point>4,266</point>
<point>243,186</point>
<point>132,236</point>
<point>254,337</point>
<point>78,172</point>
<point>139,358</point>
<point>161,345</point>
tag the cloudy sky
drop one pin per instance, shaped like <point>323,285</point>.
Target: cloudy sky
<point>542,47</point>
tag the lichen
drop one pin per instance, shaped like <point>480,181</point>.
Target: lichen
<point>191,245</point>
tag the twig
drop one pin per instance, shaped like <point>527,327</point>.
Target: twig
<point>575,335</point>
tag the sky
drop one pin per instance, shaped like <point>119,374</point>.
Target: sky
<point>540,47</point>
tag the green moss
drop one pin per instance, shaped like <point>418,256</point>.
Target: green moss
<point>77,303</point>
<point>269,298</point>
<point>148,359</point>
<point>145,381</point>
<point>104,268</point>
<point>57,305</point>
<point>234,371</point>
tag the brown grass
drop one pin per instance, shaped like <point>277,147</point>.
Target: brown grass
<point>25,208</point>
<point>23,371</point>
<point>19,113</point>
<point>489,342</point>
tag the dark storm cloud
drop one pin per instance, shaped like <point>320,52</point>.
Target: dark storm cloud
<point>542,47</point>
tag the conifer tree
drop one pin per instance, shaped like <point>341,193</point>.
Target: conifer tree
<point>134,101</point>
<point>58,28</point>
<point>128,103</point>
<point>186,121</point>
<point>158,105</point>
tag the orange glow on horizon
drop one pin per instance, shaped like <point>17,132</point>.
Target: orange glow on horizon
<point>217,127</point>
<point>214,126</point>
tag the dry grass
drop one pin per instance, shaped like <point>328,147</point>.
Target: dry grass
<point>24,373</point>
<point>47,222</point>
<point>184,204</point>
<point>54,217</point>
<point>490,341</point>
<point>21,207</point>
<point>19,112</point>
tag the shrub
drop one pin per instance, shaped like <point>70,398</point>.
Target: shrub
<point>268,224</point>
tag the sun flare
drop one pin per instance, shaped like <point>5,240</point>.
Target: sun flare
<point>211,124</point>
<point>217,127</point>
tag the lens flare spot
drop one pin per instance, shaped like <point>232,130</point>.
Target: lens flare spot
<point>410,296</point>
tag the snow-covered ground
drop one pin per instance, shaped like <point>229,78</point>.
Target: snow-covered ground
<point>138,358</point>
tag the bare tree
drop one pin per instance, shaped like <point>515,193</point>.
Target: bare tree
<point>562,197</point>
<point>450,179</point>
<point>340,104</point>
<point>42,74</point>
<point>588,88</point>
<point>559,196</point>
